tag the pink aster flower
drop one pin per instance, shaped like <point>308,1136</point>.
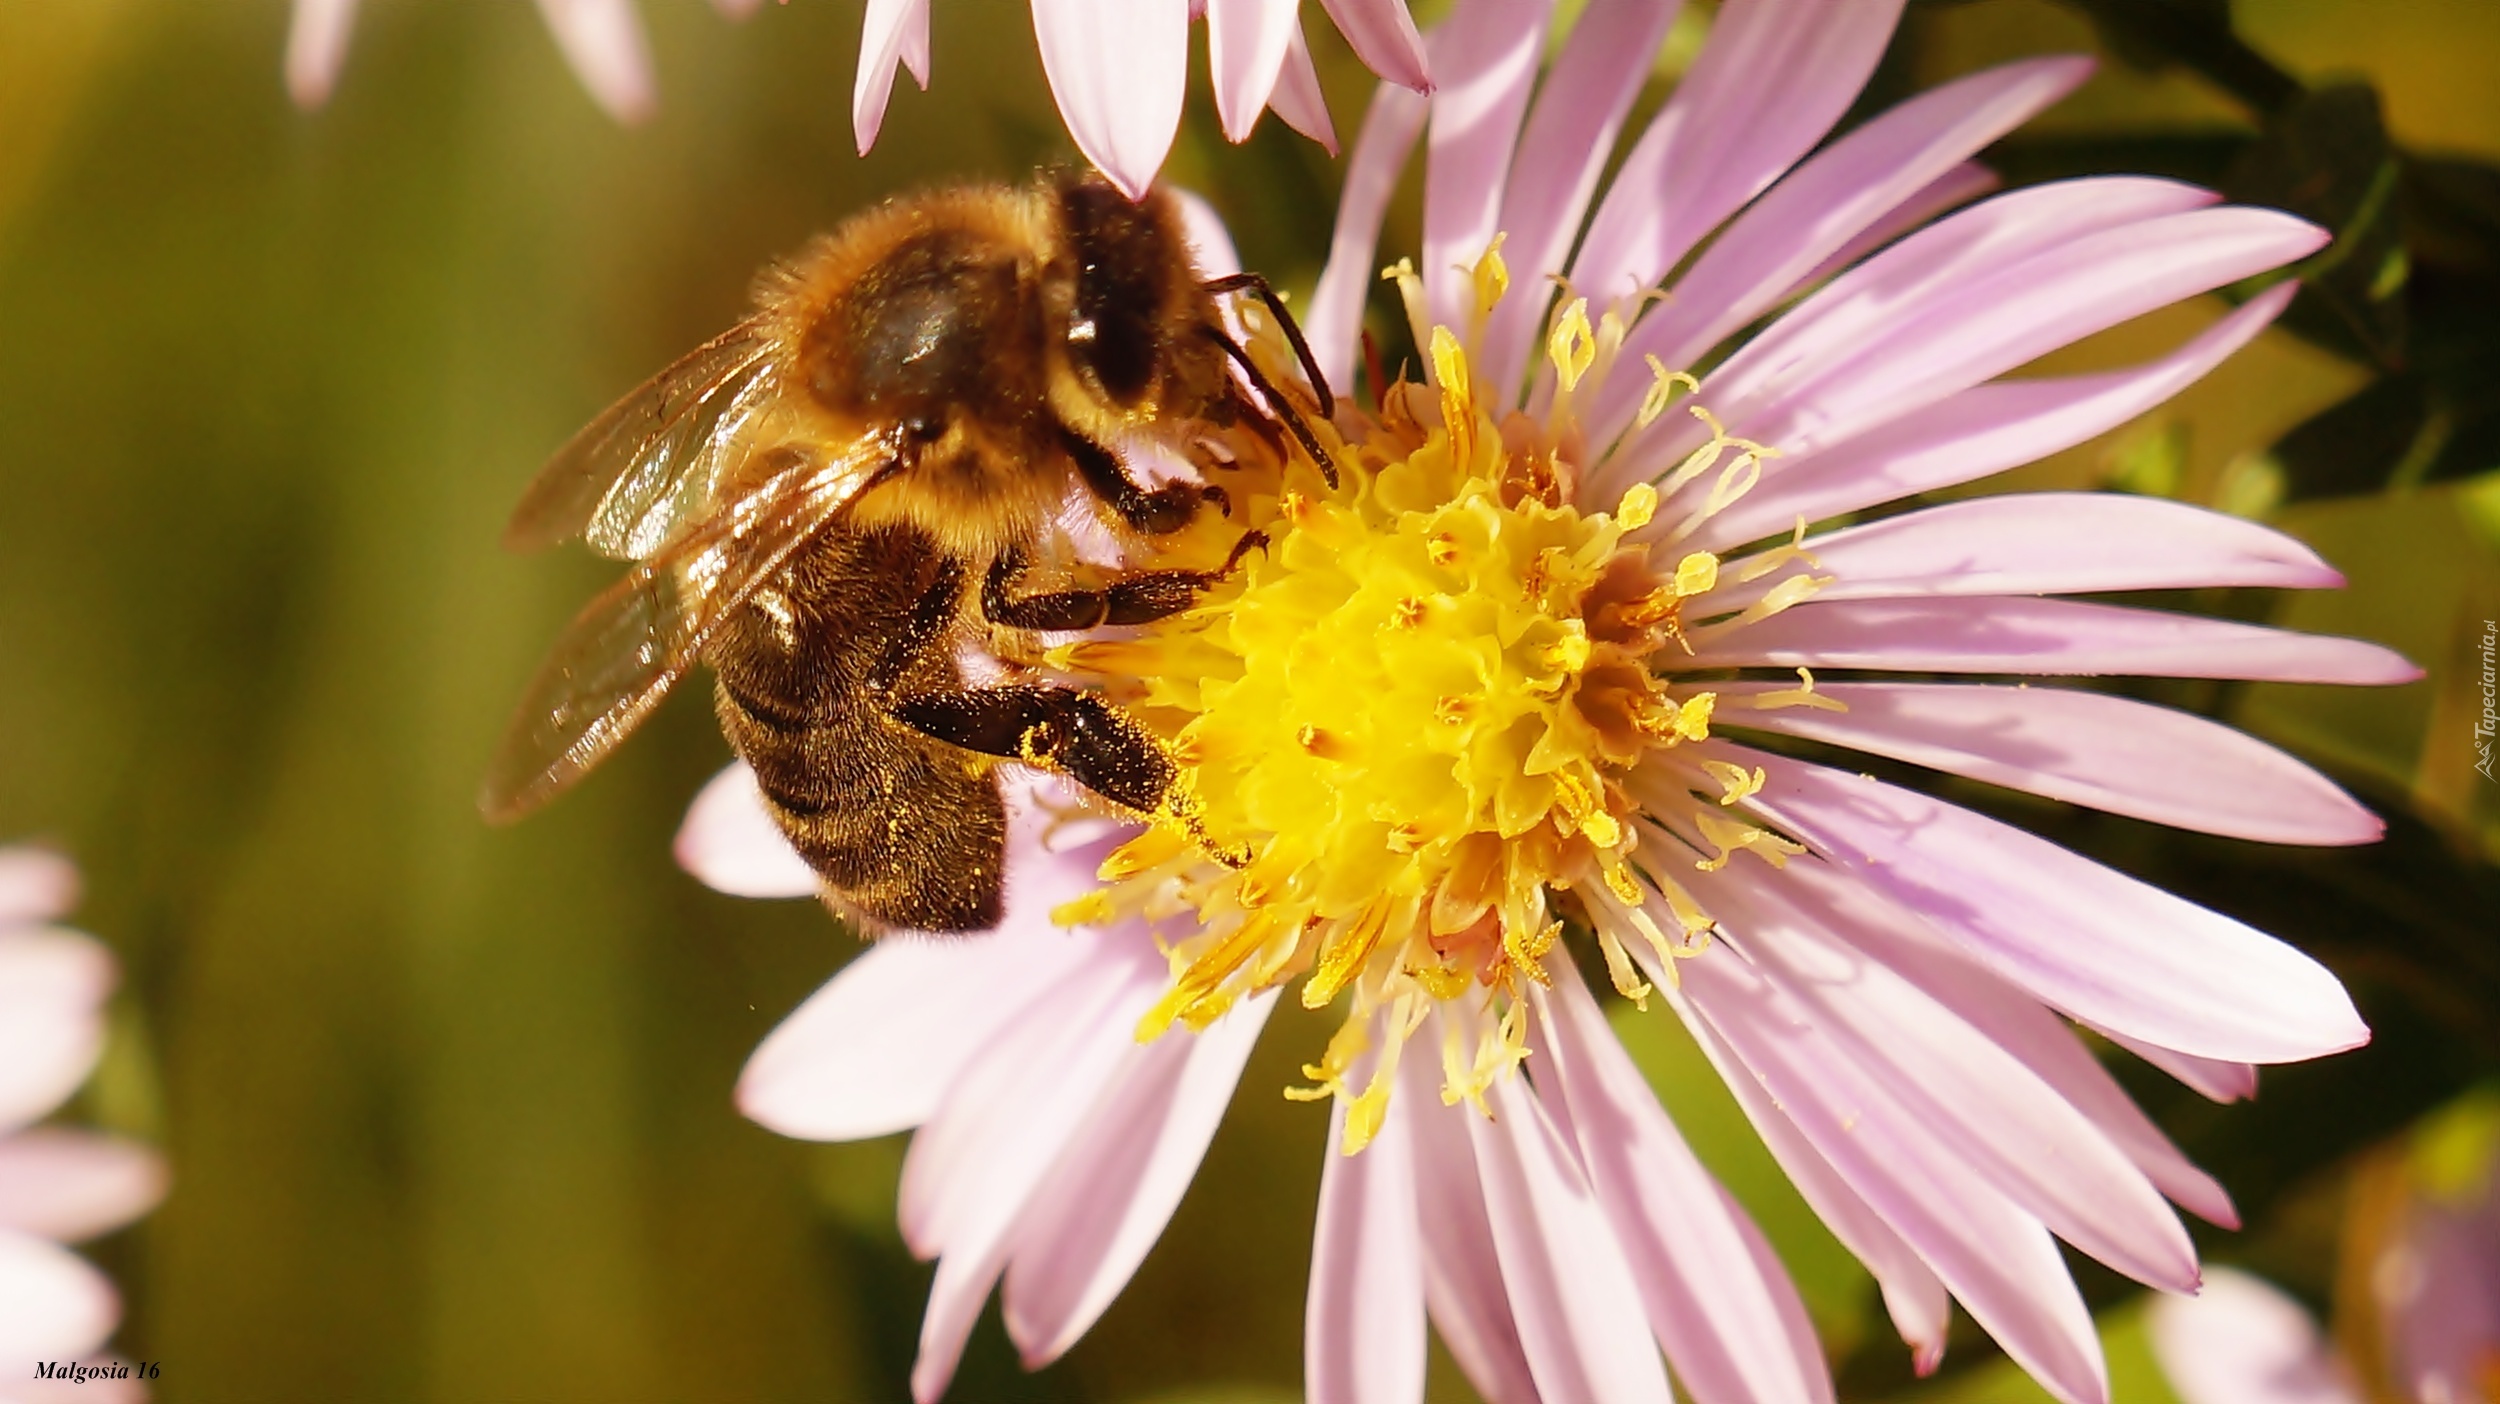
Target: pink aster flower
<point>56,1185</point>
<point>1119,70</point>
<point>2430,1258</point>
<point>1532,666</point>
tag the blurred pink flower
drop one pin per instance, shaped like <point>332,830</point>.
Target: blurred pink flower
<point>1118,70</point>
<point>1890,991</point>
<point>56,1185</point>
<point>2430,1262</point>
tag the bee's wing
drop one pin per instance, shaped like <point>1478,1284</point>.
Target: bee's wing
<point>622,653</point>
<point>633,477</point>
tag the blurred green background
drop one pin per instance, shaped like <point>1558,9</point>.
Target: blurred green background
<point>447,1107</point>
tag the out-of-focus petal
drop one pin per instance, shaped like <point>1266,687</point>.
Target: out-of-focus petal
<point>1382,34</point>
<point>1297,98</point>
<point>2047,638</point>
<point>53,1306</point>
<point>1717,1298</point>
<point>2051,543</point>
<point>1335,319</point>
<point>1363,1320</point>
<point>604,42</point>
<point>1980,431</point>
<point>1484,57</point>
<point>2088,748</point>
<point>1118,72</point>
<point>973,1168</point>
<point>2080,937</point>
<point>2014,1021</point>
<point>52,989</point>
<point>1579,112</point>
<point>1572,1296</point>
<point>1818,208</point>
<point>731,844</point>
<point>1726,133</point>
<point>1210,243</point>
<point>736,9</point>
<point>2436,1281</point>
<point>316,45</point>
<point>2242,1342</point>
<point>68,1185</point>
<point>1997,1259</point>
<point>1953,1086</point>
<point>1463,1285</point>
<point>890,30</point>
<point>36,884</point>
<point>1246,42</point>
<point>1108,1198</point>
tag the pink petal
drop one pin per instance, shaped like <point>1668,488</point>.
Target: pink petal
<point>1578,114</point>
<point>1717,1298</point>
<point>2438,1298</point>
<point>2009,1018</point>
<point>1463,1273</point>
<point>1382,34</point>
<point>603,41</point>
<point>731,844</point>
<point>2242,1342</point>
<point>1246,42</point>
<point>69,1185</point>
<point>1864,304</point>
<point>1118,72</point>
<point>2048,638</point>
<point>736,9</point>
<point>2212,1078</point>
<point>1297,98</point>
<point>36,884</point>
<point>1773,78</point>
<point>890,28</point>
<point>52,989</point>
<point>1210,243</point>
<point>1950,191</point>
<point>1484,58</point>
<point>1997,1259</point>
<point>316,45</point>
<point>1913,1296</point>
<point>1011,1116</point>
<point>2051,543</point>
<point>1363,1322</point>
<point>1968,436</point>
<point>1107,1199</point>
<point>53,1306</point>
<point>2085,939</point>
<point>1335,320</point>
<point>1572,1296</point>
<point>1989,317</point>
<point>2086,748</point>
<point>1955,1086</point>
<point>1802,221</point>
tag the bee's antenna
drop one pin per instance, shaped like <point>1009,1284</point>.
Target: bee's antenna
<point>1276,401</point>
<point>1257,286</point>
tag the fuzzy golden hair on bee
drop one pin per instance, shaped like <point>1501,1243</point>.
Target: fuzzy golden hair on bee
<point>832,501</point>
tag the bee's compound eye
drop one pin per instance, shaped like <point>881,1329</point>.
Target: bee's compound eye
<point>1124,254</point>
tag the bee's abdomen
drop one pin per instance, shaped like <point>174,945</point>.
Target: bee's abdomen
<point>907,830</point>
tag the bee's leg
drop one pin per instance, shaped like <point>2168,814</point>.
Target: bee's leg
<point>1140,598</point>
<point>1158,513</point>
<point>1075,733</point>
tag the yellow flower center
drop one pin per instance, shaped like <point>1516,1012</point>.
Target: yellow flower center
<point>1407,725</point>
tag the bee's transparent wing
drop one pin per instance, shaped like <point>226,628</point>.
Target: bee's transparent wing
<point>651,462</point>
<point>622,653</point>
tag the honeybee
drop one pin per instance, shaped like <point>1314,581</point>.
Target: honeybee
<point>822,501</point>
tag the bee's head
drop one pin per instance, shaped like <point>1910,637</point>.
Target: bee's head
<point>1126,298</point>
